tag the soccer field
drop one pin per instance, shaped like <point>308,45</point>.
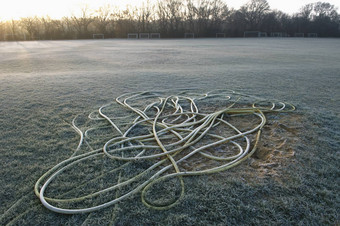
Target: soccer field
<point>44,85</point>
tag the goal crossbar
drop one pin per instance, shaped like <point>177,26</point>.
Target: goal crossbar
<point>98,36</point>
<point>132,36</point>
<point>144,35</point>
<point>155,35</point>
<point>249,34</point>
<point>220,35</point>
<point>299,35</point>
<point>312,35</point>
<point>189,35</point>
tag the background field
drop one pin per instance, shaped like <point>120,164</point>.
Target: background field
<point>44,84</point>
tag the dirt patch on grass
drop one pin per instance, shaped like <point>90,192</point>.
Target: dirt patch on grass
<point>276,148</point>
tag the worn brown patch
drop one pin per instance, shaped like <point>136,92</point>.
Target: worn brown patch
<point>275,149</point>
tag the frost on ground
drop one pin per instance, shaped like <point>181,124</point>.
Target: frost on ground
<point>45,84</point>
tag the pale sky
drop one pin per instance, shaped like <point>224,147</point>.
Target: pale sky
<point>15,9</point>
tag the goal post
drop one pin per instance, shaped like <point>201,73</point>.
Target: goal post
<point>220,35</point>
<point>189,35</point>
<point>155,35</point>
<point>262,34</point>
<point>276,34</point>
<point>299,35</point>
<point>144,35</point>
<point>98,36</point>
<point>312,35</point>
<point>251,34</point>
<point>132,36</point>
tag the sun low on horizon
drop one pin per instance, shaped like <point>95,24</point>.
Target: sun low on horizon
<point>16,9</point>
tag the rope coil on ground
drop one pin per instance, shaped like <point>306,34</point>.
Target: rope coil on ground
<point>168,132</point>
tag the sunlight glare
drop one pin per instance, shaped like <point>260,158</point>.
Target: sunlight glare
<point>16,9</point>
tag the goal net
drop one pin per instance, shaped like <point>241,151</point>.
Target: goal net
<point>262,34</point>
<point>144,36</point>
<point>189,35</point>
<point>276,34</point>
<point>155,35</point>
<point>312,35</point>
<point>132,36</point>
<point>251,34</point>
<point>98,36</point>
<point>220,35</point>
<point>299,35</point>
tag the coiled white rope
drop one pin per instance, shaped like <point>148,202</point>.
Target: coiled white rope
<point>177,129</point>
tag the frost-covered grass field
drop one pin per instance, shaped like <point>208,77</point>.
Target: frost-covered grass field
<point>45,84</point>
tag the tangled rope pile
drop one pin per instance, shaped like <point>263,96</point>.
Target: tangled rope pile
<point>172,133</point>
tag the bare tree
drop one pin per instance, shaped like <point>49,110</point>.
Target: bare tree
<point>236,24</point>
<point>66,28</point>
<point>205,17</point>
<point>47,27</point>
<point>306,11</point>
<point>102,18</point>
<point>174,17</point>
<point>319,17</point>
<point>145,16</point>
<point>275,21</point>
<point>203,13</point>
<point>126,21</point>
<point>2,30</point>
<point>162,16</point>
<point>219,15</point>
<point>13,25</point>
<point>32,26</point>
<point>219,11</point>
<point>254,12</point>
<point>190,16</point>
<point>324,9</point>
<point>82,22</point>
<point>170,14</point>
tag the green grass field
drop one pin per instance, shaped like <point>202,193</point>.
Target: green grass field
<point>293,177</point>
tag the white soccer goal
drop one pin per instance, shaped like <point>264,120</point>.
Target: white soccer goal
<point>299,35</point>
<point>312,35</point>
<point>262,34</point>
<point>98,36</point>
<point>251,34</point>
<point>220,35</point>
<point>144,35</point>
<point>276,34</point>
<point>189,35</point>
<point>155,35</point>
<point>132,36</point>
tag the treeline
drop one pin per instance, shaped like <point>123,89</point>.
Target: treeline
<point>173,18</point>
